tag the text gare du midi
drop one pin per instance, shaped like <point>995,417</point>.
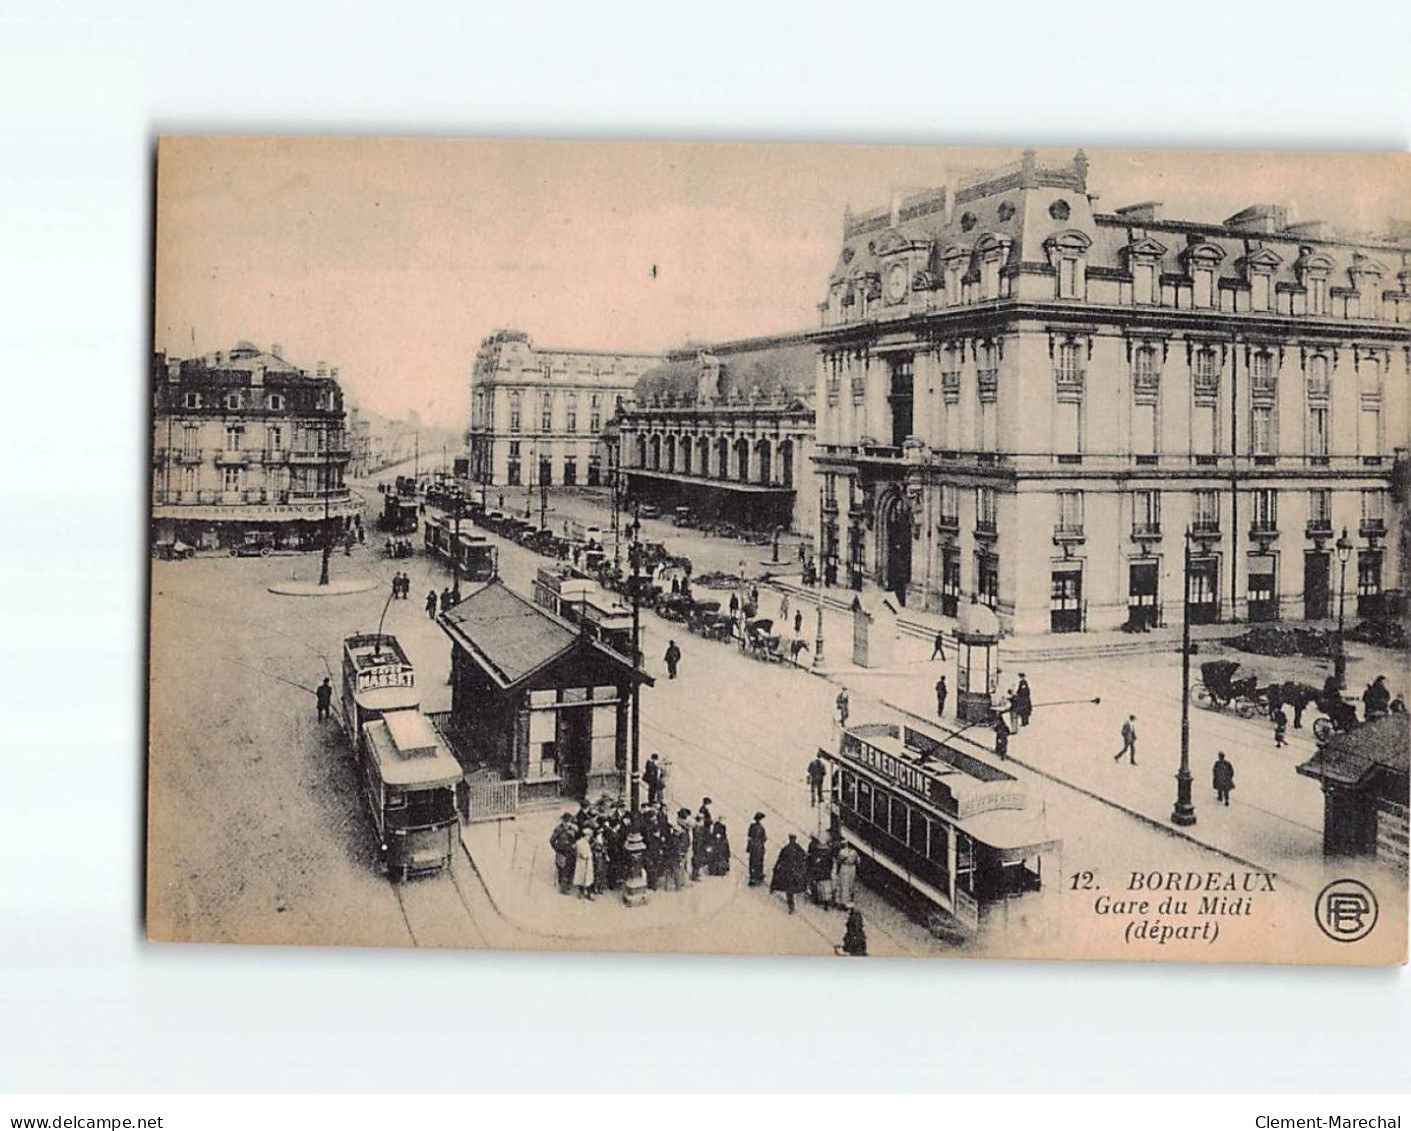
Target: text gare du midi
<point>1206,895</point>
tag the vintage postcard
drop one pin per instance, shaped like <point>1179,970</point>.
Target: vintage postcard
<point>780,549</point>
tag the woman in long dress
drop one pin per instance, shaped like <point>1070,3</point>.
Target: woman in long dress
<point>845,874</point>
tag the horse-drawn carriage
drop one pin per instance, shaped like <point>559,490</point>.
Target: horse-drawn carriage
<point>676,607</point>
<point>1218,689</point>
<point>759,641</point>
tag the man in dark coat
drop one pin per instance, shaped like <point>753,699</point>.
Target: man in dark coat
<point>816,773</point>
<point>1376,699</point>
<point>734,604</point>
<point>820,872</point>
<point>1001,737</point>
<point>324,698</point>
<point>938,652</point>
<point>564,840</point>
<point>854,935</point>
<point>1023,701</point>
<point>652,854</point>
<point>431,605</point>
<point>700,847</point>
<point>942,694</point>
<point>1223,778</point>
<point>756,839</point>
<point>652,776</point>
<point>790,871</point>
<point>672,658</point>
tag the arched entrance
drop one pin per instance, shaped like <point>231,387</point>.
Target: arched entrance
<point>896,546</point>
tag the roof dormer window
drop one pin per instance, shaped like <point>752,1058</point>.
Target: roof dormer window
<point>1068,256</point>
<point>1259,266</point>
<point>1313,271</point>
<point>233,401</point>
<point>1202,260</point>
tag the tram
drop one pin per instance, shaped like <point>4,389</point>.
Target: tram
<point>377,678</point>
<point>409,782</point>
<point>407,777</point>
<point>399,513</point>
<point>948,833</point>
<point>477,557</point>
<point>581,600</point>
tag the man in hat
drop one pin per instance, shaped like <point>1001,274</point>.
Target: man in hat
<point>564,841</point>
<point>1129,740</point>
<point>706,803</point>
<point>324,697</point>
<point>1223,778</point>
<point>672,658</point>
<point>938,652</point>
<point>816,773</point>
<point>942,694</point>
<point>652,776</point>
<point>790,871</point>
<point>756,839</point>
<point>1023,701</point>
<point>854,934</point>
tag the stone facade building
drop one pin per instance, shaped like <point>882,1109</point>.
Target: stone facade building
<point>246,445</point>
<point>728,432</point>
<point>538,414</point>
<point>1025,400</point>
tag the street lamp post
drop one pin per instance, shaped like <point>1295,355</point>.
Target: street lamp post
<point>634,892</point>
<point>327,500</point>
<point>456,555</point>
<point>1183,813</point>
<point>818,578</point>
<point>1344,549</point>
<point>543,495</point>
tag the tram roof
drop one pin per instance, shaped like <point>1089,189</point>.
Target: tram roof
<point>408,753</point>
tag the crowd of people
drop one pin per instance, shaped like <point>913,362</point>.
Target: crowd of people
<point>827,871</point>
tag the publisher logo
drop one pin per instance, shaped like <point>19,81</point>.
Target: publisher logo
<point>1346,910</point>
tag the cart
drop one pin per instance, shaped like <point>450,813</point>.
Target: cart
<point>1217,689</point>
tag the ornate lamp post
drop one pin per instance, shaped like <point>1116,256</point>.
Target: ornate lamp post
<point>1344,549</point>
<point>1183,813</point>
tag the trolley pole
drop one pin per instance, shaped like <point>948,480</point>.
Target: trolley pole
<point>1184,811</point>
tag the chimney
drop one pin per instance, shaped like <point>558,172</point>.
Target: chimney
<point>173,371</point>
<point>1263,219</point>
<point>277,350</point>
<point>321,369</point>
<point>1147,212</point>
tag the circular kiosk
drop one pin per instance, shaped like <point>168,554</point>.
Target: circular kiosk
<point>976,662</point>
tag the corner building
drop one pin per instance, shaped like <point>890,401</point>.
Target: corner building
<point>1027,402</point>
<point>537,415</point>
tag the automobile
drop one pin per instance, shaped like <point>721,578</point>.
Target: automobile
<point>647,510</point>
<point>257,544</point>
<point>173,551</point>
<point>682,516</point>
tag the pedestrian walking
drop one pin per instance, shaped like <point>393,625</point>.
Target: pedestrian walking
<point>1129,740</point>
<point>583,864</point>
<point>845,865</point>
<point>652,776</point>
<point>842,705</point>
<point>855,935</point>
<point>563,840</point>
<point>820,872</point>
<point>672,658</point>
<point>431,605</point>
<point>1001,737</point>
<point>942,694</point>
<point>798,622</point>
<point>734,604</point>
<point>816,773</point>
<point>784,609</point>
<point>756,839</point>
<point>938,651</point>
<point>1281,725</point>
<point>705,813</point>
<point>1023,701</point>
<point>1222,775</point>
<point>790,871</point>
<point>396,586</point>
<point>445,599</point>
<point>324,698</point>
<point>719,849</point>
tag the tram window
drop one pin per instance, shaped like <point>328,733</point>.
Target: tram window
<point>917,838</point>
<point>849,790</point>
<point>899,822</point>
<point>395,799</point>
<point>864,799</point>
<point>938,845</point>
<point>881,809</point>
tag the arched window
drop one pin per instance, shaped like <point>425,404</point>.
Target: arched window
<point>641,451</point>
<point>656,453</point>
<point>722,458</point>
<point>570,411</point>
<point>514,411</point>
<point>671,453</point>
<point>786,463</point>
<point>687,450</point>
<point>742,460</point>
<point>763,453</point>
<point>703,456</point>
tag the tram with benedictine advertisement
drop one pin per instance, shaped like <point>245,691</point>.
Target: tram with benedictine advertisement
<point>949,834</point>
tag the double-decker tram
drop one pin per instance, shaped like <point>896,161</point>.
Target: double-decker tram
<point>947,832</point>
<point>407,777</point>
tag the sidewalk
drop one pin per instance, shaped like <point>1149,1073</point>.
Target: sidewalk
<point>516,865</point>
<point>1274,821</point>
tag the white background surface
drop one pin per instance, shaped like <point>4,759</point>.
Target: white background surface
<point>86,1004</point>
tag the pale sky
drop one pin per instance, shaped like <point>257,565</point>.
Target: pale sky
<point>392,259</point>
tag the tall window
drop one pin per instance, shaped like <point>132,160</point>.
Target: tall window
<point>950,504</point>
<point>274,438</point>
<point>1262,430</point>
<point>1146,512</point>
<point>1320,508</point>
<point>1068,278</point>
<point>1070,513</point>
<point>234,435</point>
<point>232,478</point>
<point>1369,421</point>
<point>595,414</point>
<point>570,412</point>
<point>989,275</point>
<point>514,411</point>
<point>1260,290</point>
<point>1318,425</point>
<point>190,439</point>
<point>1206,512</point>
<point>987,390</point>
<point>1204,294</point>
<point>1373,509</point>
<point>1205,382</point>
<point>985,509</point>
<point>1144,283</point>
<point>1146,394</point>
<point>546,413</point>
<point>901,400</point>
<point>1266,509</point>
<point>1317,294</point>
<point>190,478</point>
<point>513,473</point>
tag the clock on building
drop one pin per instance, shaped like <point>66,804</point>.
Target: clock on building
<point>896,282</point>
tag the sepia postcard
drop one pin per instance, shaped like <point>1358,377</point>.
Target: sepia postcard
<point>835,550</point>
